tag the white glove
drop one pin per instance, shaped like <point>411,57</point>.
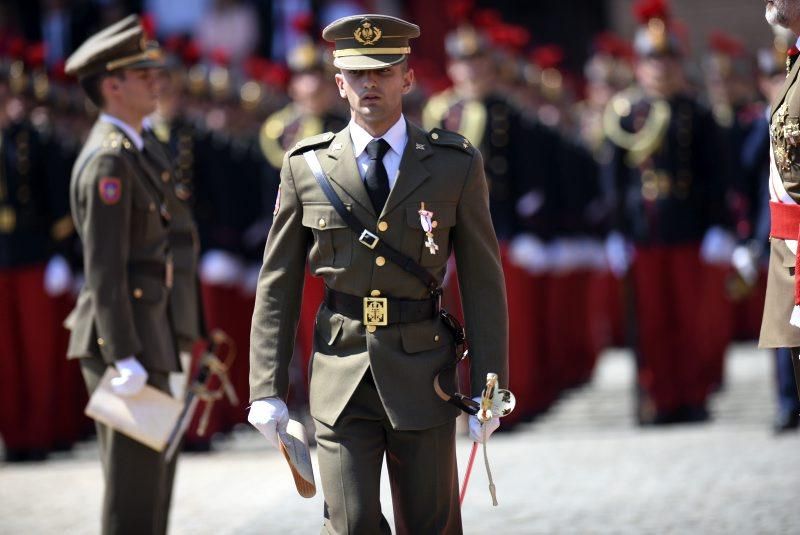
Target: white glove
<point>270,417</point>
<point>220,268</point>
<point>476,432</point>
<point>745,263</point>
<point>717,247</point>
<point>618,254</point>
<point>57,276</point>
<point>528,252</point>
<point>132,377</point>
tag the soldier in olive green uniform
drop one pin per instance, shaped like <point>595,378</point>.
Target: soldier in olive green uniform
<point>780,325</point>
<point>121,318</point>
<point>371,391</point>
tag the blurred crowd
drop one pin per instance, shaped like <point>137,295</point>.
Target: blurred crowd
<point>629,199</point>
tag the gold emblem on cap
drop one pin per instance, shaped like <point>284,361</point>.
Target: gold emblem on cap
<point>367,33</point>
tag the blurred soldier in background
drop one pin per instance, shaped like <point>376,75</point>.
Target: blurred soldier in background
<point>669,186</point>
<point>36,239</point>
<point>519,159</point>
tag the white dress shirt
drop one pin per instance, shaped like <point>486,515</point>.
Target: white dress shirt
<point>396,136</point>
<point>128,129</point>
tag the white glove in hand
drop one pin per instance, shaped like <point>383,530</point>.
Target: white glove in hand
<point>717,247</point>
<point>220,267</point>
<point>57,277</point>
<point>270,417</point>
<point>745,263</point>
<point>529,253</point>
<point>132,377</point>
<point>476,432</point>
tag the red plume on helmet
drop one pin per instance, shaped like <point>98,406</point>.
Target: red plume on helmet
<point>148,23</point>
<point>303,23</point>
<point>611,44</point>
<point>459,11</point>
<point>645,10</point>
<point>35,55</point>
<point>547,56</point>
<point>723,43</point>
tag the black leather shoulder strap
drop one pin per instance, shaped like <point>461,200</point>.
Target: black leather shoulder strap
<point>367,237</point>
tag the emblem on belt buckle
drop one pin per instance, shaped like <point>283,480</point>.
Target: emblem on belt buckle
<point>376,311</point>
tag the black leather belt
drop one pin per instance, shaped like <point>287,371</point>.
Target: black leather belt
<point>380,310</point>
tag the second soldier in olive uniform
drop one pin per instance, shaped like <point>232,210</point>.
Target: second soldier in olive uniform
<point>371,390</point>
<point>121,318</point>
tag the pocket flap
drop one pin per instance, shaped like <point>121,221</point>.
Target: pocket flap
<point>329,325</point>
<point>322,216</point>
<point>423,336</point>
<point>444,214</point>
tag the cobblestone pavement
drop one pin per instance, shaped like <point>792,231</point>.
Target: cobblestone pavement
<point>582,468</point>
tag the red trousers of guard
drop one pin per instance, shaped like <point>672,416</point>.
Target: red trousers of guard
<point>672,326</point>
<point>30,355</point>
<point>532,375</point>
<point>574,321</point>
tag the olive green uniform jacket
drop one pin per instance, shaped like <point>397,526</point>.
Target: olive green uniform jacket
<point>118,211</point>
<point>445,172</point>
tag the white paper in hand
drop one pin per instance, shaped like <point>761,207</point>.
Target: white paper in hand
<point>148,417</point>
<point>294,446</point>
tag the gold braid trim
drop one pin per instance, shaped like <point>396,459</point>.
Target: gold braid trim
<point>473,118</point>
<point>639,145</point>
<point>274,127</point>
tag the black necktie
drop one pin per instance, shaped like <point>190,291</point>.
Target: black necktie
<point>377,179</point>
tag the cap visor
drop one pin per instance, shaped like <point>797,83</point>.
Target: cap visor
<point>367,63</point>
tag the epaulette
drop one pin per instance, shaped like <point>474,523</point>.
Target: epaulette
<point>313,141</point>
<point>115,141</point>
<point>446,138</point>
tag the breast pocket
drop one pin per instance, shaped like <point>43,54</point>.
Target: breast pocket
<point>146,220</point>
<point>443,220</point>
<point>333,239</point>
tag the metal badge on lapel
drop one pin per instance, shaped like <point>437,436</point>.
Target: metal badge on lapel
<point>426,220</point>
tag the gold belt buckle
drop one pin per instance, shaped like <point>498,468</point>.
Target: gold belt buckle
<point>376,311</point>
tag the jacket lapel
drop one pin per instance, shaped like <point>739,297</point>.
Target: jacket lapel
<point>412,172</point>
<point>340,165</point>
<point>785,89</point>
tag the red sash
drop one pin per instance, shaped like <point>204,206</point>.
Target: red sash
<point>785,225</point>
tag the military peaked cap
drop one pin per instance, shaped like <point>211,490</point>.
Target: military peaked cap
<point>123,45</point>
<point>366,42</point>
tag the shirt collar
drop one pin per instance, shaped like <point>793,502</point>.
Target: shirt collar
<point>797,43</point>
<point>126,128</point>
<point>395,136</point>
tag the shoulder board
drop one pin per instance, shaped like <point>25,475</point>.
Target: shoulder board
<point>115,141</point>
<point>313,141</point>
<point>446,138</point>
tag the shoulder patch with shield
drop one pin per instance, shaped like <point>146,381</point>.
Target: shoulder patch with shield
<point>110,189</point>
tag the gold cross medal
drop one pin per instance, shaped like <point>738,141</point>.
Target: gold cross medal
<point>426,220</point>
